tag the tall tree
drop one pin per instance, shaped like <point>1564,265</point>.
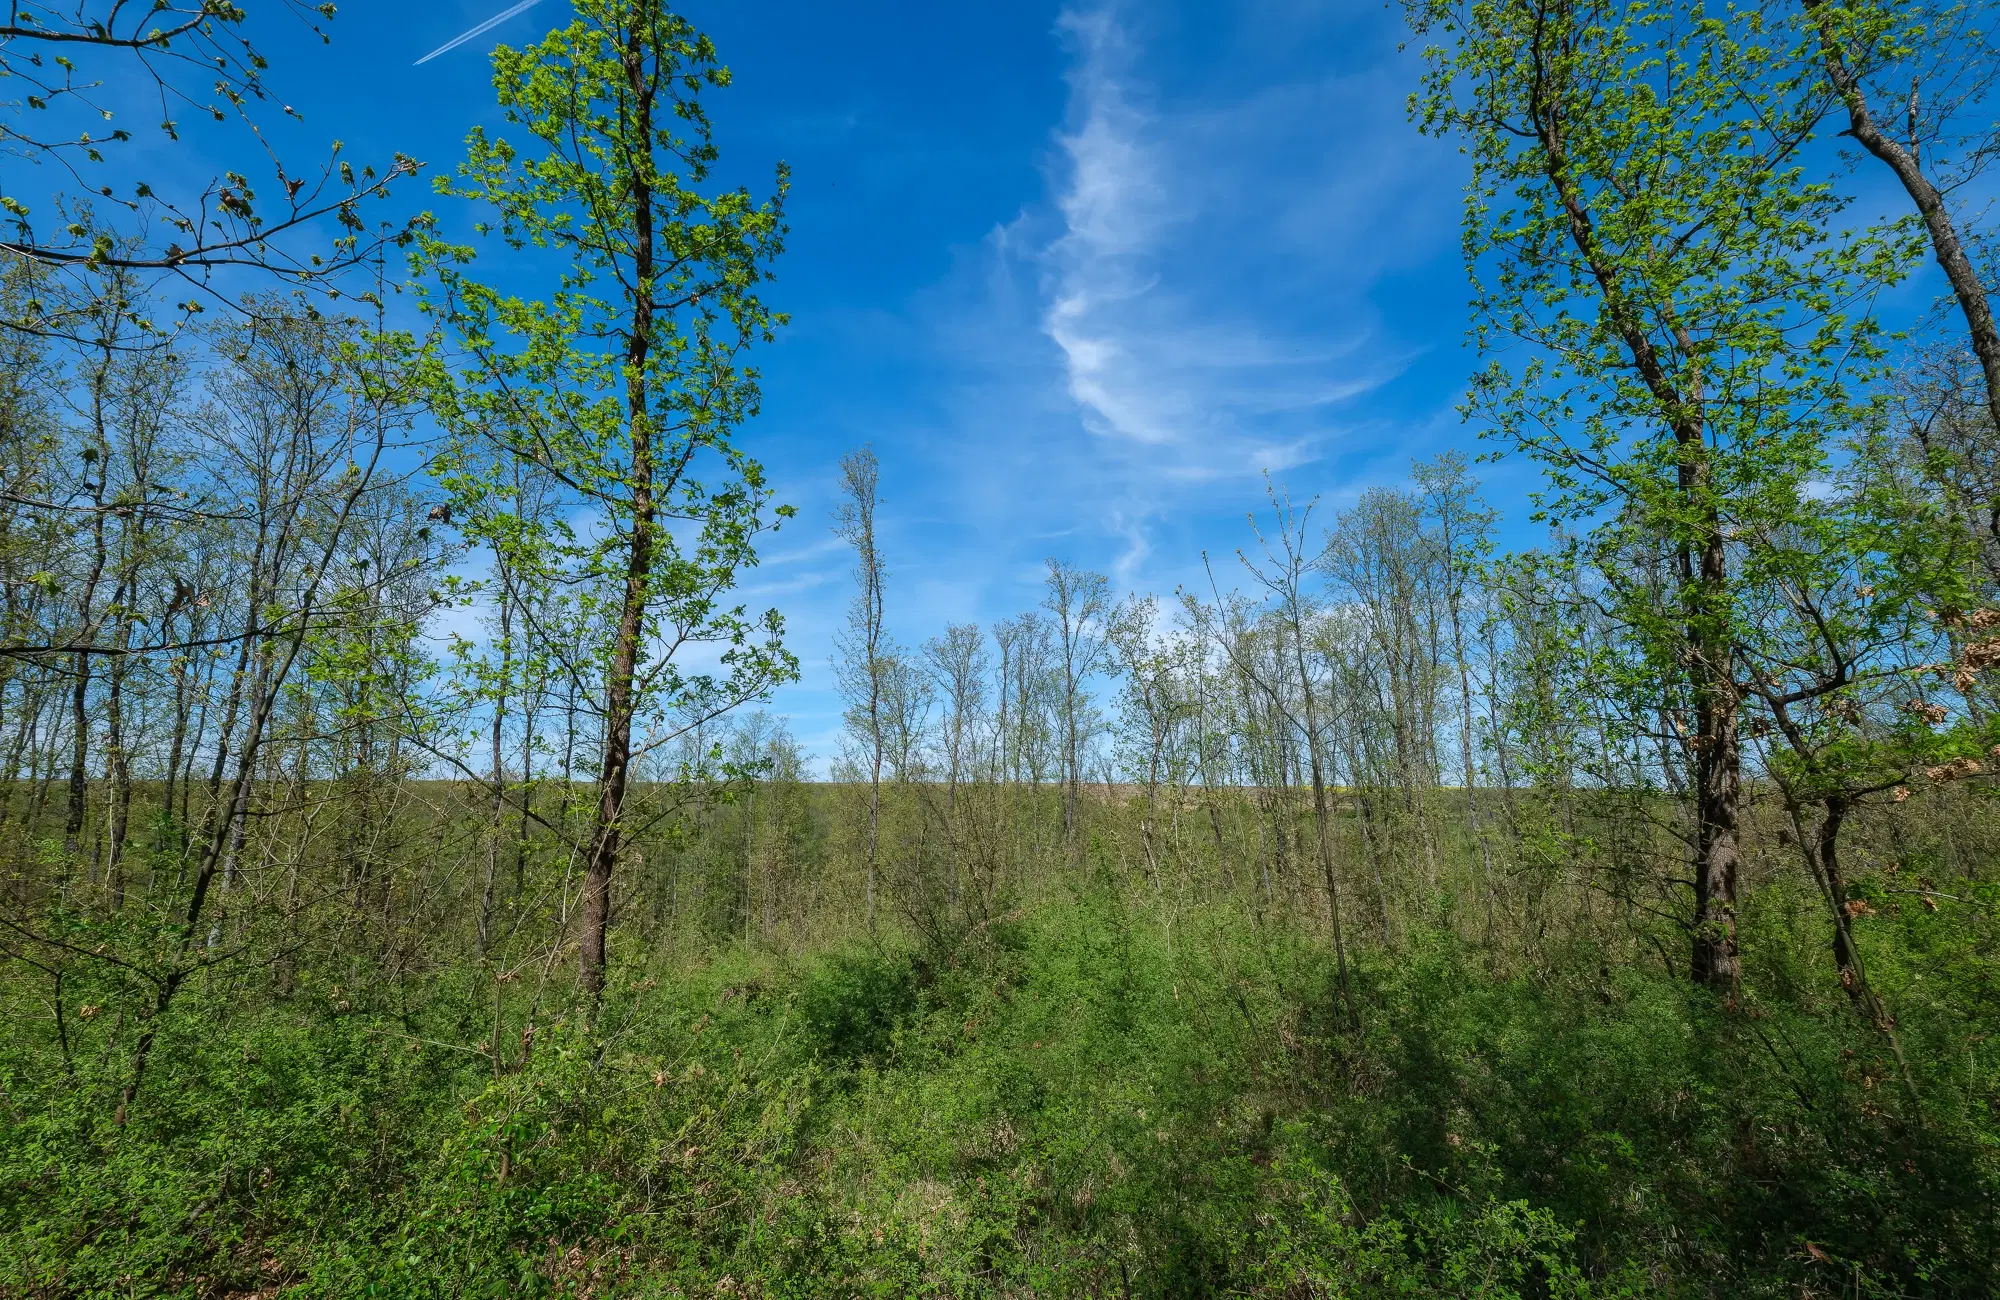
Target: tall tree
<point>1868,584</point>
<point>1381,555</point>
<point>626,384</point>
<point>1639,217</point>
<point>302,422</point>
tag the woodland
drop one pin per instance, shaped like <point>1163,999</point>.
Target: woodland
<point>406,888</point>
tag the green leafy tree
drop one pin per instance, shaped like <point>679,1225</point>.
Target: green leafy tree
<point>1640,220</point>
<point>624,384</point>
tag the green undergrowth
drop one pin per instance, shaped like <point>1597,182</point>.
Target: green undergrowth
<point>1090,1101</point>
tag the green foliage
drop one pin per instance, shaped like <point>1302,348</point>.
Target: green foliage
<point>854,1004</point>
<point>1092,1102</point>
<point>592,428</point>
<point>1495,1250</point>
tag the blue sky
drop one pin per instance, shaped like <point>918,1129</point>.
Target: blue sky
<point>1079,274</point>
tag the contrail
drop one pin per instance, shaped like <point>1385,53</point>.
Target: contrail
<point>480,30</point>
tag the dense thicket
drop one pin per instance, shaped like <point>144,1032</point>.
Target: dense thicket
<point>405,894</point>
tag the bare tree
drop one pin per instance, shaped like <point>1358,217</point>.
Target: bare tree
<point>1381,556</point>
<point>864,663</point>
<point>1282,573</point>
<point>1464,527</point>
<point>1080,604</point>
<point>959,663</point>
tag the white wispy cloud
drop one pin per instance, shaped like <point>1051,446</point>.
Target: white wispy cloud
<point>1166,290</point>
<point>1192,301</point>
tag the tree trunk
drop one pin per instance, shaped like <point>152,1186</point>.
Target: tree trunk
<point>1718,778</point>
<point>1321,818</point>
<point>79,778</point>
<point>1945,242</point>
<point>1822,853</point>
<point>495,818</point>
<point>1704,583</point>
<point>615,770</point>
